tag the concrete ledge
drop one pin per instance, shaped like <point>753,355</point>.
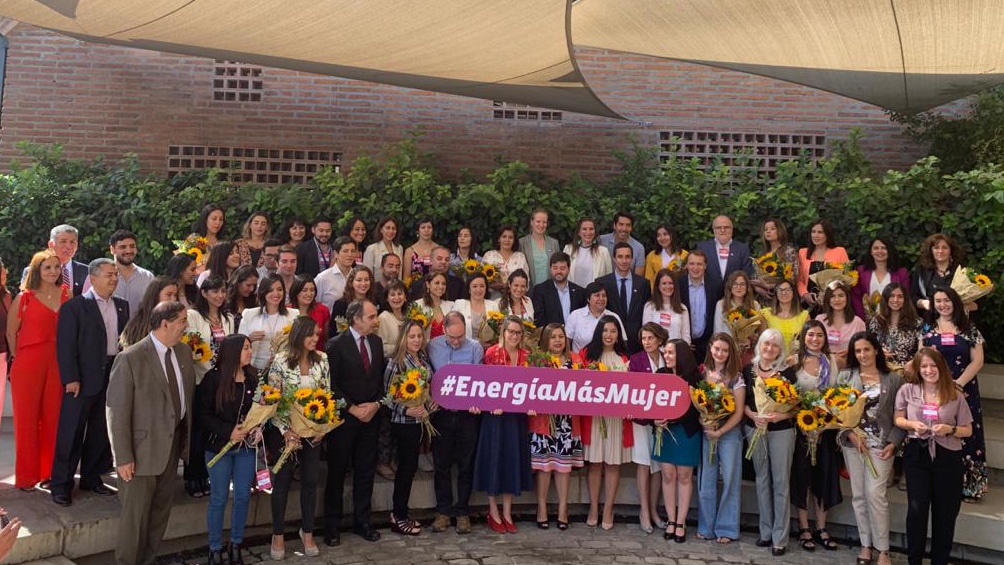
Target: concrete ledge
<point>991,380</point>
<point>89,526</point>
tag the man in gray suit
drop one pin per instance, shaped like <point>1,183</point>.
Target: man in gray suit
<point>149,410</point>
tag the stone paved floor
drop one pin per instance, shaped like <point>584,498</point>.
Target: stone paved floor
<point>625,544</point>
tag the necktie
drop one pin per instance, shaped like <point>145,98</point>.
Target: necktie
<point>172,382</point>
<point>66,276</point>
<point>364,353</point>
<point>624,297</point>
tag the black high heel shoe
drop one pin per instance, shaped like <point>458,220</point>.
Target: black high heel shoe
<point>236,554</point>
<point>670,532</point>
<point>215,557</point>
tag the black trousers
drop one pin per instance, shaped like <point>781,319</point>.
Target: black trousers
<point>308,458</point>
<point>700,345</point>
<point>455,445</point>
<point>195,468</point>
<point>81,438</point>
<point>408,438</point>
<point>355,442</point>
<point>933,488</point>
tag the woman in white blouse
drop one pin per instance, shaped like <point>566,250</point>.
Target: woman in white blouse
<point>507,259</point>
<point>665,308</point>
<point>590,260</point>
<point>386,243</point>
<point>395,298</point>
<point>209,320</point>
<point>475,308</point>
<point>262,324</point>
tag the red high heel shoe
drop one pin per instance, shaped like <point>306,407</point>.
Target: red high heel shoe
<point>510,527</point>
<point>497,527</point>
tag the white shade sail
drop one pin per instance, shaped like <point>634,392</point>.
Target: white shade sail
<point>904,55</point>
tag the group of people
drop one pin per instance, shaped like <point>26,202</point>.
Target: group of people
<point>114,366</point>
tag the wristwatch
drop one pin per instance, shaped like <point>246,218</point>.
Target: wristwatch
<point>953,431</point>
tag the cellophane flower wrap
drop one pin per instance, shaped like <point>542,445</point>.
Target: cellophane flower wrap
<point>411,389</point>
<point>812,419</point>
<point>744,324</point>
<point>714,402</point>
<point>312,413</point>
<point>266,402</point>
<point>771,394</point>
<point>490,328</point>
<point>846,406</point>
<point>971,285</point>
<point>771,269</point>
<point>844,272</point>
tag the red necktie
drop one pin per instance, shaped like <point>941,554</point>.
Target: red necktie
<point>364,354</point>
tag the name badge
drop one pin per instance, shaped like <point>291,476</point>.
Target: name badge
<point>723,253</point>
<point>947,339</point>
<point>833,336</point>
<point>929,411</point>
<point>665,319</point>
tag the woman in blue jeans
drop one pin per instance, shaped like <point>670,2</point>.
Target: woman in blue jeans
<point>222,401</point>
<point>719,519</point>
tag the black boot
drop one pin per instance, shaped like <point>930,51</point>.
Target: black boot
<point>236,555</point>
<point>215,557</point>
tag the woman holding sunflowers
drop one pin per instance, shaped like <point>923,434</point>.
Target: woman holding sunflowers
<point>405,423</point>
<point>839,319</point>
<point>872,444</point>
<point>814,258</point>
<point>297,367</point>
<point>779,251</point>
<point>719,519</point>
<point>475,309</point>
<point>772,455</point>
<point>222,401</point>
<point>819,484</point>
<point>264,323</point>
<point>502,460</point>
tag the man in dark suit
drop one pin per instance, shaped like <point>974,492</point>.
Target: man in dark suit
<point>63,242</point>
<point>356,361</point>
<point>314,254</point>
<point>86,345</point>
<point>725,256</point>
<point>439,262</point>
<point>149,409</point>
<point>695,294</point>
<point>554,299</point>
<point>627,293</point>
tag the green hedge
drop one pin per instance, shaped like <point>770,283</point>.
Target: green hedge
<point>904,206</point>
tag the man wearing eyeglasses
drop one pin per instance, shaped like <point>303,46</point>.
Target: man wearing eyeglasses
<point>725,256</point>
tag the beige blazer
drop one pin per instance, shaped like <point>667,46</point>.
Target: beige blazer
<point>141,418</point>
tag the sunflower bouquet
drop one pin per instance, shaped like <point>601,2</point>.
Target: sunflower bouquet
<point>846,405</point>
<point>677,264</point>
<point>771,395</point>
<point>194,245</point>
<point>490,328</point>
<point>418,312</point>
<point>871,304</point>
<point>414,278</point>
<point>266,402</point>
<point>464,270</point>
<point>714,402</point>
<point>312,413</point>
<point>341,324</point>
<point>411,388</point>
<point>201,352</point>
<point>531,335</point>
<point>844,272</point>
<point>971,285</point>
<point>544,360</point>
<point>812,419</point>
<point>744,324</point>
<point>771,270</point>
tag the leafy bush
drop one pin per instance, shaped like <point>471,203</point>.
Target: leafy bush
<point>905,206</point>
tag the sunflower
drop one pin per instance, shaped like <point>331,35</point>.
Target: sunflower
<point>773,382</point>
<point>853,275</point>
<point>320,394</point>
<point>421,318</point>
<point>529,325</point>
<point>982,281</point>
<point>392,390</point>
<point>673,265</point>
<point>470,266</point>
<point>700,399</point>
<point>410,389</point>
<point>807,420</point>
<point>735,316</point>
<point>202,352</point>
<point>270,394</point>
<point>489,271</point>
<point>769,268</point>
<point>196,255</point>
<point>761,260</point>
<point>601,367</point>
<point>303,394</point>
<point>186,339</point>
<point>841,403</point>
<point>495,315</point>
<point>830,393</point>
<point>314,410</point>
<point>413,375</point>
<point>555,361</point>
<point>729,403</point>
<point>789,272</point>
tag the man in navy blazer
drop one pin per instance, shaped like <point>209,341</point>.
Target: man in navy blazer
<point>696,294</point>
<point>555,298</point>
<point>627,293</point>
<point>355,358</point>
<point>86,343</point>
<point>725,256</point>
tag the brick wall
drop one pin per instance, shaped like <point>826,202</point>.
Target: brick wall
<point>103,100</point>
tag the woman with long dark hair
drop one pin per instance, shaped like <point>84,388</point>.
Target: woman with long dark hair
<point>939,257</point>
<point>264,323</point>
<point>211,223</point>
<point>896,325</point>
<point>878,268</point>
<point>222,401</point>
<point>182,268</point>
<point>303,297</point>
<point>296,366</point>
<point>241,291</point>
<point>224,258</point>
<point>160,289</point>
<point>822,249</point>
<point>589,259</point>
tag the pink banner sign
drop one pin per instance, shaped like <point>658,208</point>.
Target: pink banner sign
<point>561,391</point>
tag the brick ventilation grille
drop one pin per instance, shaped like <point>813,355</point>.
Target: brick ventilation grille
<point>509,111</point>
<point>237,82</point>
<point>760,150</point>
<point>252,164</point>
